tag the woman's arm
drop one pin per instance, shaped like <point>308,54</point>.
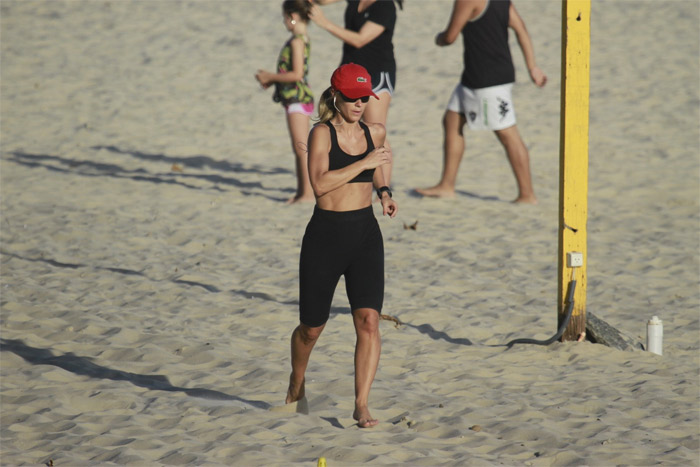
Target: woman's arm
<point>389,206</point>
<point>266,78</point>
<point>324,180</point>
<point>367,33</point>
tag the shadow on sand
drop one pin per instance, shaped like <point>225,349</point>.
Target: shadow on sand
<point>461,193</point>
<point>88,168</point>
<point>85,367</point>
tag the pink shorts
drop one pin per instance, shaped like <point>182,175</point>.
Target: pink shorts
<point>299,108</point>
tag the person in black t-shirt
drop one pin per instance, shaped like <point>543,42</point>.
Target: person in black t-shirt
<point>367,41</point>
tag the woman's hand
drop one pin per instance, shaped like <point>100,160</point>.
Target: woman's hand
<point>389,206</point>
<point>378,157</point>
<point>263,78</point>
<point>317,16</point>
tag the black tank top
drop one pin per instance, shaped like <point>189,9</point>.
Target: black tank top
<point>487,59</point>
<point>337,158</point>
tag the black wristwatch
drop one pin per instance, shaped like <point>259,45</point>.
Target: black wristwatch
<point>382,190</point>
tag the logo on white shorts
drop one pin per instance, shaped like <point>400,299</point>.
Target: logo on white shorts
<point>503,108</point>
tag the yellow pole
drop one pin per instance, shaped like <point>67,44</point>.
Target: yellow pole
<point>573,159</point>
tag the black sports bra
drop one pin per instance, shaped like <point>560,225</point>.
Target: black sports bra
<point>337,158</point>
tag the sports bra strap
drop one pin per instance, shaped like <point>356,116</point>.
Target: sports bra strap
<point>368,135</point>
<point>334,137</point>
<point>365,128</point>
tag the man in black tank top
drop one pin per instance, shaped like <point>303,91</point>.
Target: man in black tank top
<point>483,97</point>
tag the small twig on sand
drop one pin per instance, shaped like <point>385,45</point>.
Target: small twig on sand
<point>391,318</point>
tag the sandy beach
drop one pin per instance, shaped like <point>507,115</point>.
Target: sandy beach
<point>149,265</point>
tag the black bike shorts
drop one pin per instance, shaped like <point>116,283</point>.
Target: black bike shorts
<point>345,243</point>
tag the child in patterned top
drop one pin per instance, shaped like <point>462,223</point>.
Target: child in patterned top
<point>292,89</point>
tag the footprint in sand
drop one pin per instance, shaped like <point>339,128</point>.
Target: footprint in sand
<point>300,406</point>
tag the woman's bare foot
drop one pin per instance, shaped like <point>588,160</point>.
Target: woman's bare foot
<point>294,392</point>
<point>363,417</point>
<point>436,192</point>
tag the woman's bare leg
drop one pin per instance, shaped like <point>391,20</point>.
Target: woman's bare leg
<point>367,351</point>
<point>298,124</point>
<point>303,340</point>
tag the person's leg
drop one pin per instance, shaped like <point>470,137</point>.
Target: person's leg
<point>377,111</point>
<point>520,163</point>
<point>367,351</point>
<point>303,340</point>
<point>453,147</point>
<point>298,124</point>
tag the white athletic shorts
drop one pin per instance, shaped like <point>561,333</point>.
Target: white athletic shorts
<point>486,108</point>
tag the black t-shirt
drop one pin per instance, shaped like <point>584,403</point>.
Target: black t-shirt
<point>378,55</point>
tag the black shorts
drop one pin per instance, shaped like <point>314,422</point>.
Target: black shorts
<point>340,243</point>
<point>383,81</point>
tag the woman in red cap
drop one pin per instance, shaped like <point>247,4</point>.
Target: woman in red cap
<point>368,41</point>
<point>343,236</point>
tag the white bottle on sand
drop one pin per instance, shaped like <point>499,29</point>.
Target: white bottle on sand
<point>655,335</point>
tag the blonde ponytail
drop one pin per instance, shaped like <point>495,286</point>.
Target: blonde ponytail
<point>326,109</point>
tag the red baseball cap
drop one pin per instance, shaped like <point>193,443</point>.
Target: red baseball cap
<point>353,81</point>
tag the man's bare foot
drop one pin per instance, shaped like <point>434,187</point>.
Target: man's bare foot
<point>436,192</point>
<point>364,419</point>
<point>525,200</point>
<point>300,199</point>
<point>294,392</point>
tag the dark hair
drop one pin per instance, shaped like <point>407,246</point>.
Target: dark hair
<point>301,7</point>
<point>399,3</point>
